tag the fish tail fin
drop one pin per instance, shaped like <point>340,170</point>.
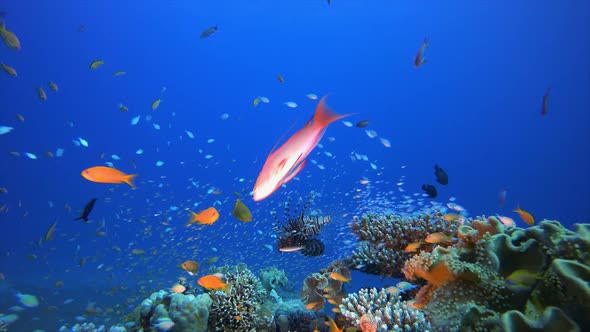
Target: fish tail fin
<point>324,115</point>
<point>78,218</point>
<point>226,288</point>
<point>193,218</point>
<point>129,180</point>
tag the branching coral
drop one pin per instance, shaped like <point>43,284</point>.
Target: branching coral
<point>370,307</point>
<point>241,309</point>
<point>383,238</point>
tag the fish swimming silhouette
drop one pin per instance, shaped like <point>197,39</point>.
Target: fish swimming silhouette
<point>441,176</point>
<point>87,209</point>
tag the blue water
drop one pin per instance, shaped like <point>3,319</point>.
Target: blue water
<point>474,108</point>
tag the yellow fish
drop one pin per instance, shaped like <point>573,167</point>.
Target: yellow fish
<point>41,93</point>
<point>438,238</point>
<point>523,278</point>
<point>9,70</point>
<point>9,37</point>
<point>339,277</point>
<point>53,86</point>
<point>241,211</point>
<point>256,101</point>
<point>156,103</point>
<point>49,233</point>
<point>119,73</point>
<point>96,63</point>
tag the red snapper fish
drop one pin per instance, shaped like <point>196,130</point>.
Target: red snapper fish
<point>284,163</point>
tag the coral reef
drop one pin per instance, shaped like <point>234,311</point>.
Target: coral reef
<point>242,308</point>
<point>89,327</point>
<point>383,239</point>
<point>318,286</point>
<point>373,310</point>
<point>300,321</point>
<point>179,312</point>
<point>272,278</point>
<point>467,284</point>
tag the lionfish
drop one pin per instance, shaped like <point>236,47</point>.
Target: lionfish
<point>298,231</point>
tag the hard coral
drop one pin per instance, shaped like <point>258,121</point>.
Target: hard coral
<point>187,312</point>
<point>241,309</point>
<point>383,239</point>
<point>386,312</point>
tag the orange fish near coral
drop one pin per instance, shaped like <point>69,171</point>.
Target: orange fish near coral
<point>333,327</point>
<point>339,277</point>
<point>284,163</point>
<point>212,282</point>
<point>525,216</point>
<point>438,238</point>
<point>103,174</point>
<point>205,217</point>
<point>178,288</point>
<point>414,246</point>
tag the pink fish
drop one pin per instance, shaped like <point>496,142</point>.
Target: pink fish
<point>284,163</point>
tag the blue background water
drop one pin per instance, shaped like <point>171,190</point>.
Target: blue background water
<point>473,108</point>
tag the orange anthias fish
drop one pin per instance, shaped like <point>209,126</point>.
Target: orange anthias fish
<point>419,60</point>
<point>339,277</point>
<point>525,216</point>
<point>332,325</point>
<point>284,163</point>
<point>103,174</point>
<point>212,282</point>
<point>205,217</point>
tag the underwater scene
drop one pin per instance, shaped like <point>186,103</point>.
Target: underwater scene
<point>303,166</point>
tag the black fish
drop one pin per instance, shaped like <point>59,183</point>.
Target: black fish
<point>209,32</point>
<point>430,190</point>
<point>441,176</point>
<point>362,124</point>
<point>87,210</point>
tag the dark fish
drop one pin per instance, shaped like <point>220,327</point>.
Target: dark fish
<point>362,124</point>
<point>545,101</point>
<point>441,176</point>
<point>209,32</point>
<point>430,190</point>
<point>87,210</point>
<point>81,28</point>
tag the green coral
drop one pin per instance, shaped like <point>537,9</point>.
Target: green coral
<point>272,278</point>
<point>467,288</point>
